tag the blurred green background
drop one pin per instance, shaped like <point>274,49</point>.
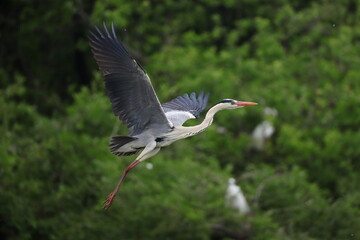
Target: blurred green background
<point>300,58</point>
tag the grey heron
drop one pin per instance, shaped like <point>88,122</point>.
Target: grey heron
<point>151,125</point>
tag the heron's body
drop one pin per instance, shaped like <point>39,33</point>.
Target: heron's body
<point>152,125</point>
<point>161,140</point>
<point>165,139</point>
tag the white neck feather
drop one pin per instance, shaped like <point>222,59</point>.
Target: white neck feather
<point>207,121</point>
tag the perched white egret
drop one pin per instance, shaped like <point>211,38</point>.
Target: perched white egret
<point>264,130</point>
<point>235,197</point>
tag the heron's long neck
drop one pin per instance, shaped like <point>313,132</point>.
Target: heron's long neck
<point>207,121</point>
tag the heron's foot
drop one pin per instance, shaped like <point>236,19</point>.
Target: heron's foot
<point>109,200</point>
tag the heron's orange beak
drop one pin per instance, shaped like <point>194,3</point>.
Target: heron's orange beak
<point>243,104</point>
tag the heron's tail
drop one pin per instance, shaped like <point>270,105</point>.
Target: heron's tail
<point>118,141</point>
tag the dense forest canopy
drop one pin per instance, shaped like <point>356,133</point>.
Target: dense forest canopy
<point>298,59</point>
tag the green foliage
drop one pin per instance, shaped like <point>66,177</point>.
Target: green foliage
<point>56,173</point>
<point>299,57</point>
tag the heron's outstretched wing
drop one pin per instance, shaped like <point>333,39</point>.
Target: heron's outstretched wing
<point>185,107</point>
<point>132,96</point>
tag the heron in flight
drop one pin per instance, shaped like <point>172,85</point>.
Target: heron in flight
<point>151,125</point>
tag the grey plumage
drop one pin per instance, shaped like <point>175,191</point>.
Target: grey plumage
<point>132,96</point>
<point>117,142</point>
<point>188,103</point>
<point>185,107</point>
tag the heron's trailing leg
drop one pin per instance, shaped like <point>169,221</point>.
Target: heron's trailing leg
<point>148,152</point>
<point>110,198</point>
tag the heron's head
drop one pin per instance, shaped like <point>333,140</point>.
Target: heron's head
<point>232,104</point>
